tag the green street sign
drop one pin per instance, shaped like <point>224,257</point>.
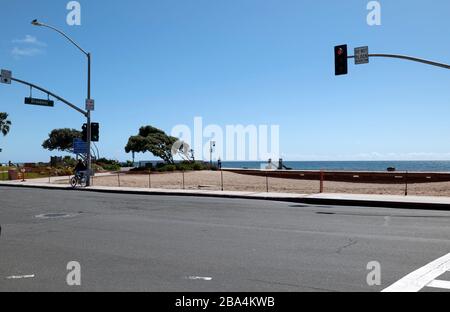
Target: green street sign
<point>40,102</point>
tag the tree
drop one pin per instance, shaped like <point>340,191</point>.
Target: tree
<point>61,140</point>
<point>5,124</point>
<point>153,140</point>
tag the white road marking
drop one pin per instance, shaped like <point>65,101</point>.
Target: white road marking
<point>439,284</point>
<point>424,277</point>
<point>21,276</point>
<point>194,278</point>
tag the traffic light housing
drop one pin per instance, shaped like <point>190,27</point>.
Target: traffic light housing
<point>341,60</point>
<point>95,132</point>
<point>84,133</point>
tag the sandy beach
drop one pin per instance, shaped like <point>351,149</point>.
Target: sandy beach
<point>212,180</point>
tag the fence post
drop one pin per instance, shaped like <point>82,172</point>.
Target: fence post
<point>149,178</point>
<point>118,178</point>
<point>267,182</point>
<point>321,181</point>
<point>406,184</point>
<point>184,186</point>
<point>221,178</point>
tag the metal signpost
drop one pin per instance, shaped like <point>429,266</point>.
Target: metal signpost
<point>212,145</point>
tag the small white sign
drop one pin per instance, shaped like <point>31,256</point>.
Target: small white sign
<point>6,76</point>
<point>361,55</point>
<point>90,105</point>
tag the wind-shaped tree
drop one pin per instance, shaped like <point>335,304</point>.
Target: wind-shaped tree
<point>5,124</point>
<point>61,140</point>
<point>153,140</point>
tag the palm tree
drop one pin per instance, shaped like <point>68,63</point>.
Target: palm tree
<point>5,124</point>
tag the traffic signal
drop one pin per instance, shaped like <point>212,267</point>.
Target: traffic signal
<point>95,135</point>
<point>95,132</point>
<point>341,60</point>
<point>84,133</point>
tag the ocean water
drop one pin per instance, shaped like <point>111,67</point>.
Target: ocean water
<point>419,166</point>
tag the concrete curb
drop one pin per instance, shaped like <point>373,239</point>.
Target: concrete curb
<point>292,198</point>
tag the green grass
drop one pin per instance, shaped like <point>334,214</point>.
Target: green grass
<point>3,175</point>
<point>31,175</point>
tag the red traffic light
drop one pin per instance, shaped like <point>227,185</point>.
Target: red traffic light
<point>341,60</point>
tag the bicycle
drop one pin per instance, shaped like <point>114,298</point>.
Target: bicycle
<point>79,179</point>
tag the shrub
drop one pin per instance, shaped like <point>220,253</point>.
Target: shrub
<point>113,167</point>
<point>107,161</point>
<point>171,168</point>
<point>69,161</point>
<point>161,169</point>
<point>197,166</point>
<point>108,164</point>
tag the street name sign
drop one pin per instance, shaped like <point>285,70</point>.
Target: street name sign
<point>79,146</point>
<point>361,55</point>
<point>6,76</point>
<point>40,102</point>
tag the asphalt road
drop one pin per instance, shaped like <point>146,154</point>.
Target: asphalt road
<point>161,243</point>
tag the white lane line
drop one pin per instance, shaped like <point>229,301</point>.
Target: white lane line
<point>201,278</point>
<point>423,277</point>
<point>21,276</point>
<point>439,284</point>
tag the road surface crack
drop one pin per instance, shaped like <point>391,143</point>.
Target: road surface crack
<point>350,243</point>
<point>291,285</point>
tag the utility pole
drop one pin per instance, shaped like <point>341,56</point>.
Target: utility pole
<point>89,102</point>
<point>212,144</point>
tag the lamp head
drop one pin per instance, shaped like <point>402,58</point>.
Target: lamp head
<point>36,23</point>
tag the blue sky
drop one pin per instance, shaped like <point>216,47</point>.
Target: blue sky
<point>231,62</point>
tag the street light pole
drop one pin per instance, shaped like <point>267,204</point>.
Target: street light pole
<point>88,132</point>
<point>212,144</point>
<point>88,115</point>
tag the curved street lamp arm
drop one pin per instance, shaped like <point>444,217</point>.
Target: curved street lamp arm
<point>65,36</point>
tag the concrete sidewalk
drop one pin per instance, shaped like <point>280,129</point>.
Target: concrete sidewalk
<point>390,201</point>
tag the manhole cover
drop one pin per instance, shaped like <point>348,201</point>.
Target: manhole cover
<point>54,215</point>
